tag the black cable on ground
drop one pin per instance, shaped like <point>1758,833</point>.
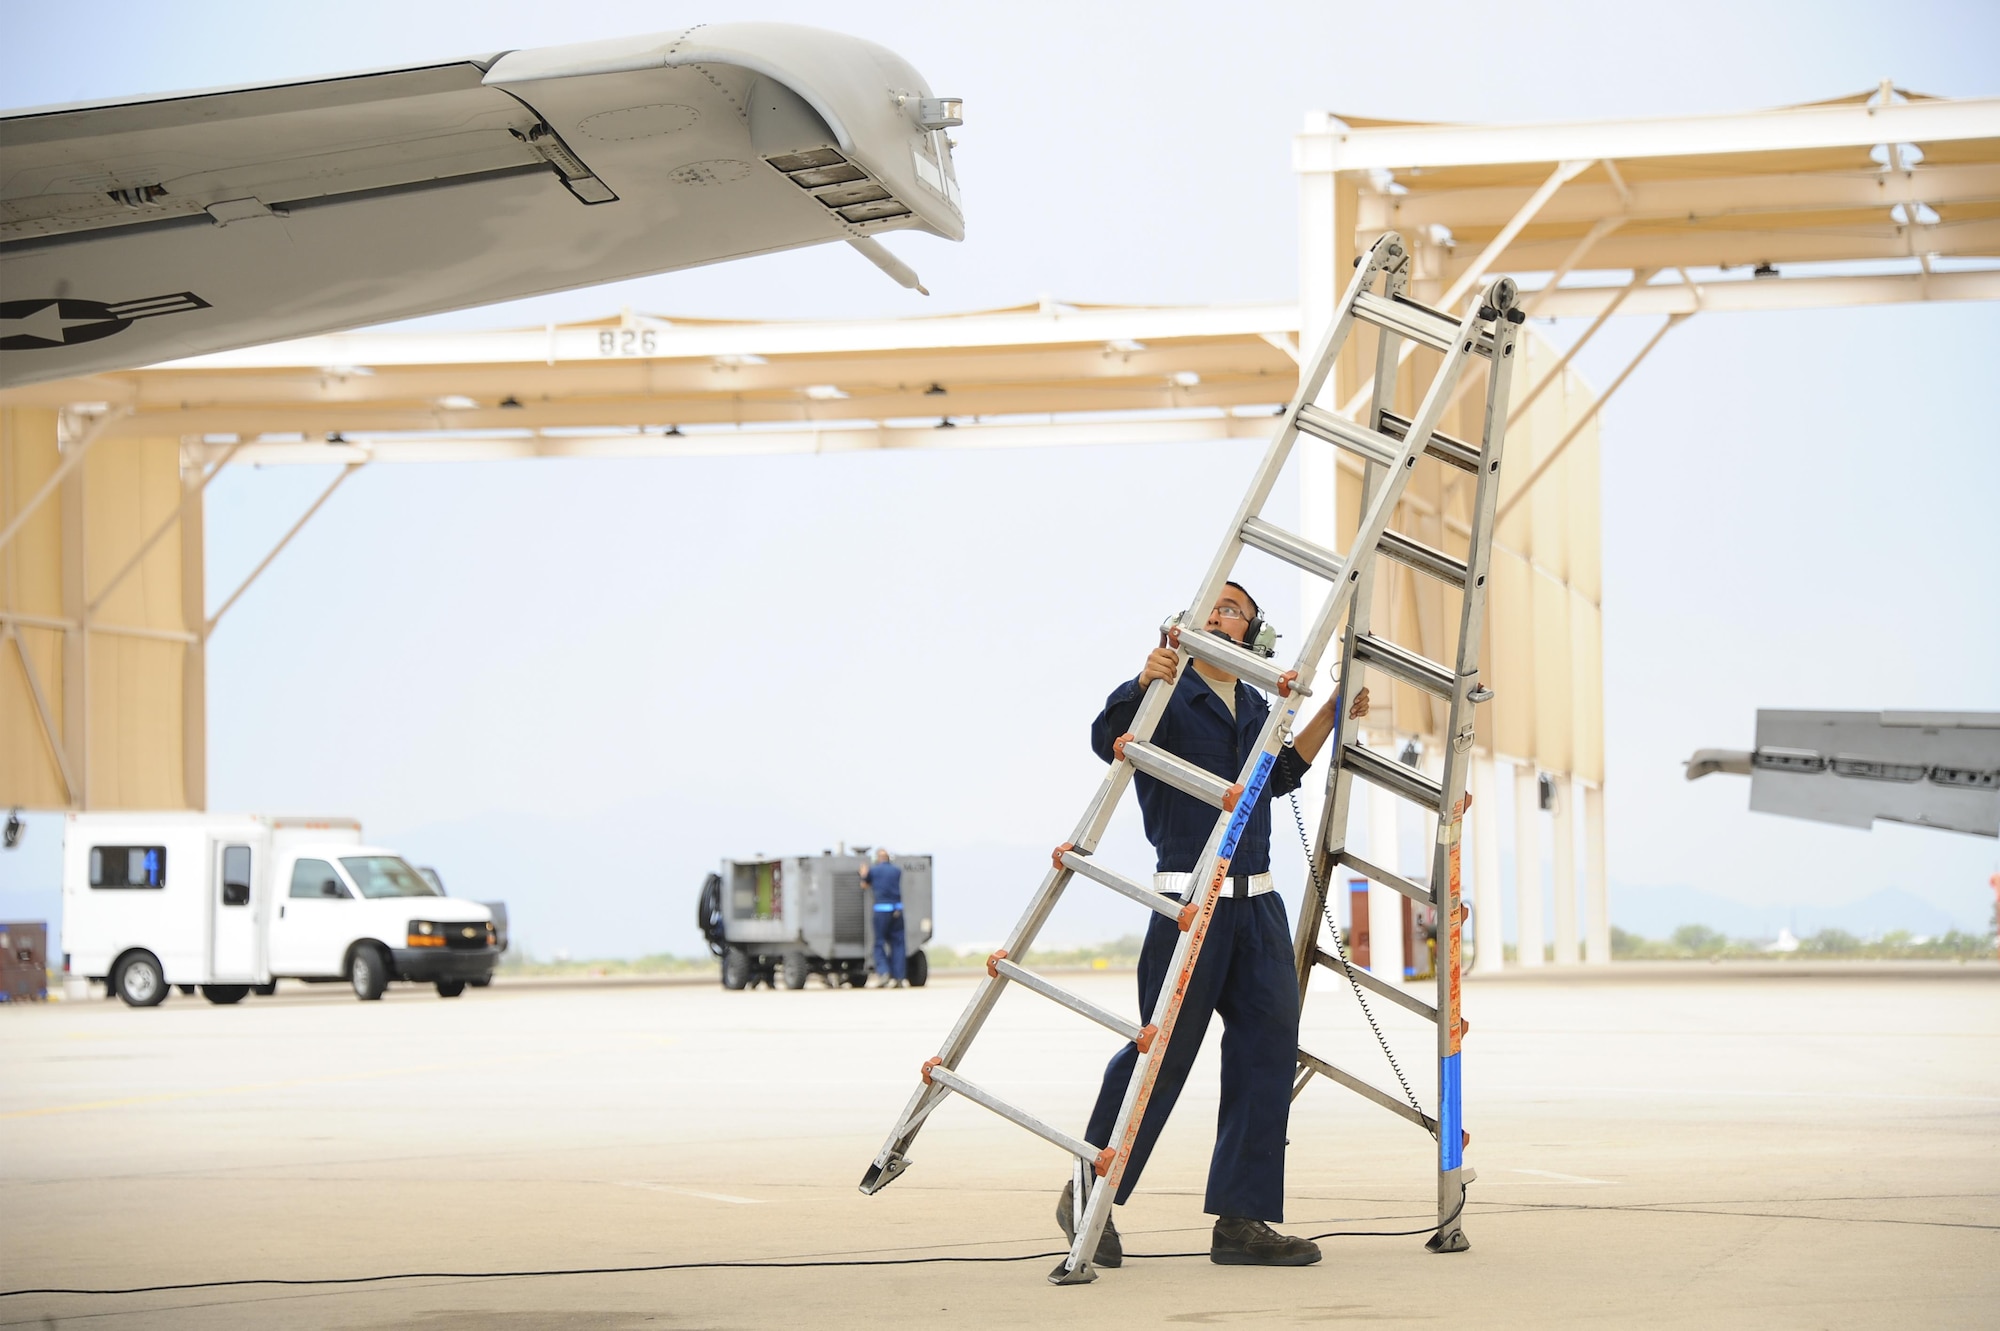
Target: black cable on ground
<point>1464,1195</point>
<point>808,1264</point>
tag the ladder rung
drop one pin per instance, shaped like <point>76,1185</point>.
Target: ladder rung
<point>938,1075</point>
<point>1376,873</point>
<point>1077,862</point>
<point>1397,778</point>
<point>1424,559</point>
<point>1443,447</point>
<point>1377,447</point>
<point>1433,328</point>
<point>1376,986</point>
<point>1259,671</point>
<point>1362,1088</point>
<point>1294,550</point>
<point>1111,1021</point>
<point>1181,774</point>
<point>1405,665</point>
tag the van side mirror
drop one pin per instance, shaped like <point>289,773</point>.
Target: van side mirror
<point>236,894</point>
<point>329,888</point>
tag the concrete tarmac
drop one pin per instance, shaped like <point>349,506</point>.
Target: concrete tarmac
<point>1718,1150</point>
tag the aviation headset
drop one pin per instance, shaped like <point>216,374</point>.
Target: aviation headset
<point>1258,637</point>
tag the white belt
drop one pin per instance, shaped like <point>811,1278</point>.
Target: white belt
<point>1177,884</point>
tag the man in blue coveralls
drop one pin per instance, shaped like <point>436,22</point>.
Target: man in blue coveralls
<point>1245,969</point>
<point>885,880</point>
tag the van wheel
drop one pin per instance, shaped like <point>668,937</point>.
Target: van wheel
<point>224,994</point>
<point>368,972</point>
<point>480,981</point>
<point>140,981</point>
<point>450,988</point>
<point>797,970</point>
<point>917,968</point>
<point>264,990</point>
<point>735,969</point>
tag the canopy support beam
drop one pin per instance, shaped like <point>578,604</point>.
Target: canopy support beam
<point>1542,467</point>
<point>209,628</point>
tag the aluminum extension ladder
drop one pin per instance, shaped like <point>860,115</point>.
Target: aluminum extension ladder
<point>1389,446</point>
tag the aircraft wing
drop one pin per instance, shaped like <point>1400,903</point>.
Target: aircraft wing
<point>1933,769</point>
<point>137,231</point>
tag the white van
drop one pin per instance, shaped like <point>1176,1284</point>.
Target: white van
<point>234,902</point>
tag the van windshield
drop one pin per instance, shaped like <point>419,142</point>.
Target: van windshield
<point>385,876</point>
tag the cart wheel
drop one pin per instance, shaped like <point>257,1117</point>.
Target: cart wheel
<point>797,970</point>
<point>735,969</point>
<point>917,969</point>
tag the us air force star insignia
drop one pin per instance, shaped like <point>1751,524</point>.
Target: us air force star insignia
<point>33,325</point>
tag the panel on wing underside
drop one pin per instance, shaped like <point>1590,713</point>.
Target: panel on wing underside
<point>154,230</point>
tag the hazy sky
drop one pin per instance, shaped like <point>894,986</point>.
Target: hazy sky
<point>575,685</point>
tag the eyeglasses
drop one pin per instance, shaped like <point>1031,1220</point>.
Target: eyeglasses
<point>1228,612</point>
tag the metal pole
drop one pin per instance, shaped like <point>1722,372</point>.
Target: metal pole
<point>187,500</point>
<point>72,456</point>
<point>283,541</point>
<point>1640,277</point>
<point>1596,902</point>
<point>1564,819</point>
<point>42,711</point>
<point>1487,925</point>
<point>1562,175</point>
<point>1589,415</point>
<point>1527,865</point>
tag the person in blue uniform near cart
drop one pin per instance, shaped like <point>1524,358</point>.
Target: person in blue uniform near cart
<point>885,882</point>
<point>1245,971</point>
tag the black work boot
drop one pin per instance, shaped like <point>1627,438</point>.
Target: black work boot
<point>1240,1242</point>
<point>1110,1250</point>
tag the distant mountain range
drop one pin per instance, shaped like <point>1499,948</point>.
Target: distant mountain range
<point>1655,912</point>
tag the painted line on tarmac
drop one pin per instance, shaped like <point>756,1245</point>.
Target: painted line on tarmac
<point>247,1088</point>
<point>1554,1177</point>
<point>690,1192</point>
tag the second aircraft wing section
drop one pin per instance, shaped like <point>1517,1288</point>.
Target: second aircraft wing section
<point>137,232</point>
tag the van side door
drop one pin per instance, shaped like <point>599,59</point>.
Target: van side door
<point>234,951</point>
<point>315,921</point>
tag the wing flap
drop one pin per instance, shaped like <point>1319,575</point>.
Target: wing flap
<point>133,165</point>
<point>1935,769</point>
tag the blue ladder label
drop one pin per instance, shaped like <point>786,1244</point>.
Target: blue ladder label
<point>1451,1115</point>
